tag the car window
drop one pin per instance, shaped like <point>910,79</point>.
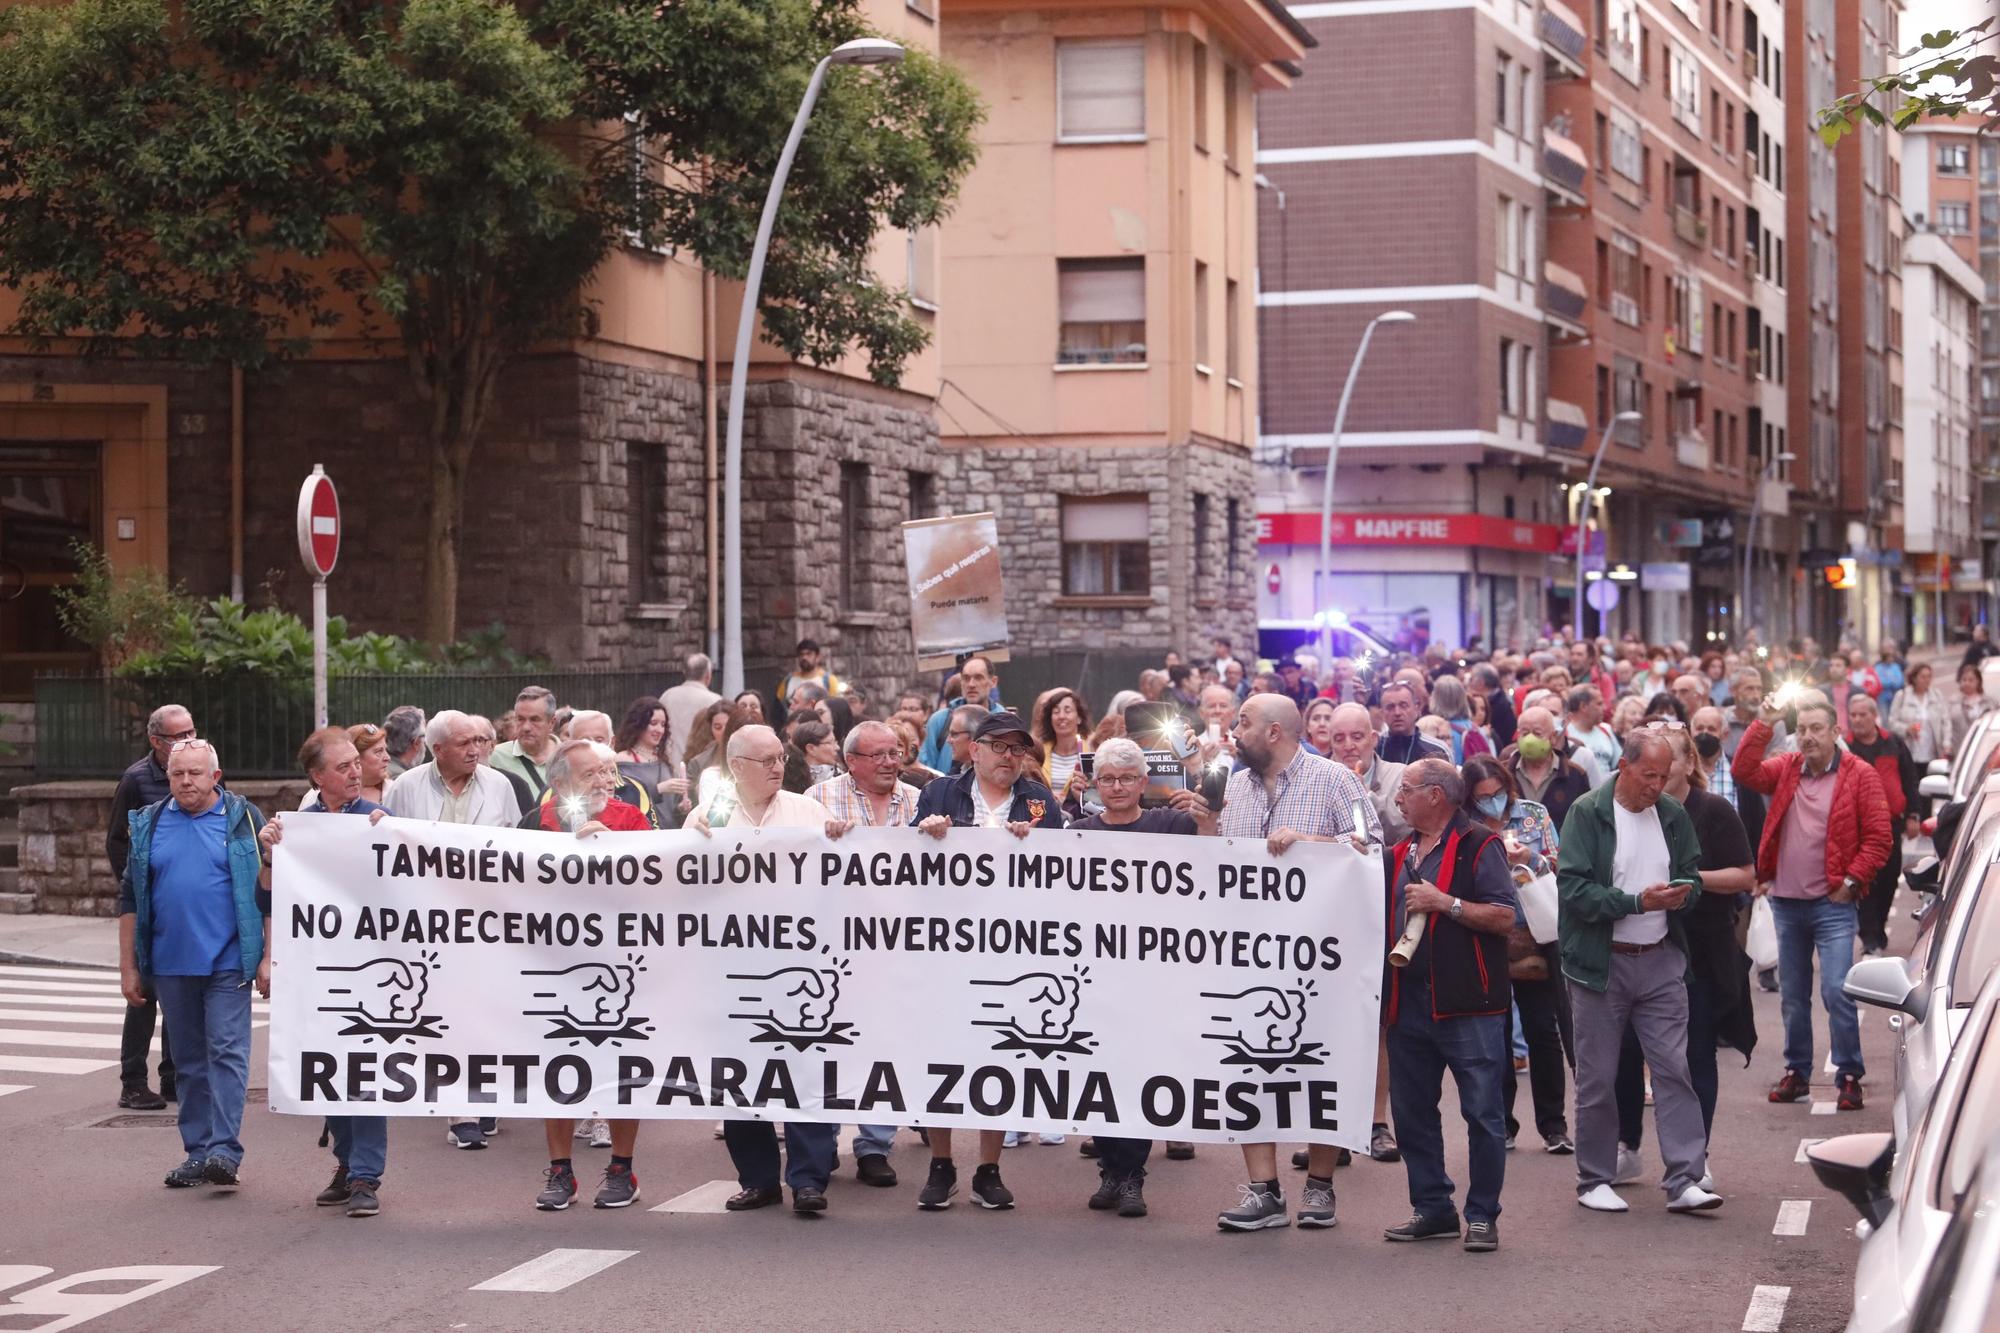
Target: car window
<point>1978,941</point>
<point>1982,747</point>
<point>1972,866</point>
<point>1971,1132</point>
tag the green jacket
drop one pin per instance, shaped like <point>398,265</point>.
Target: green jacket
<point>1587,904</point>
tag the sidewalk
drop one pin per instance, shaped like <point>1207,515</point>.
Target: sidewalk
<point>65,941</point>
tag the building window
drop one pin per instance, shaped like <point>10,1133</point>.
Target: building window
<point>1200,315</point>
<point>1954,159</point>
<point>1100,91</point>
<point>1203,566</point>
<point>922,284</point>
<point>1626,293</point>
<point>1231,119</point>
<point>1620,35</point>
<point>1103,304</point>
<point>1627,157</point>
<point>854,583</point>
<point>1200,64</point>
<point>1517,377</point>
<point>1629,394</point>
<point>1506,244</point>
<point>1684,87</point>
<point>648,174</point>
<point>1232,533</point>
<point>923,495</point>
<point>646,503</point>
<point>1954,219</point>
<point>1232,324</point>
<point>1105,546</point>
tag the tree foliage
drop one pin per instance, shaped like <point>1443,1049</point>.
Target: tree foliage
<point>1954,78</point>
<point>223,180</point>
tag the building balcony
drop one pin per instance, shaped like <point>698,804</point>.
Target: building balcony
<point>1564,167</point>
<point>1568,427</point>
<point>1564,299</point>
<point>1690,227</point>
<point>1563,41</point>
<point>1691,450</point>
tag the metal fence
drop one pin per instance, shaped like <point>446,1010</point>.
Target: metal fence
<point>94,726</point>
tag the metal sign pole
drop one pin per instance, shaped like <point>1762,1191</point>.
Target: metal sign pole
<point>319,652</point>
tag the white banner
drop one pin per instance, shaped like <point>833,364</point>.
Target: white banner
<point>1152,986</point>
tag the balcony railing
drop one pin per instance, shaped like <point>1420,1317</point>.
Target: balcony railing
<point>1564,297</point>
<point>1690,227</point>
<point>1563,37</point>
<point>1691,449</point>
<point>1564,164</point>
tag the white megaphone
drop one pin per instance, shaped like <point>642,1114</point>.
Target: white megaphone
<point>1413,935</point>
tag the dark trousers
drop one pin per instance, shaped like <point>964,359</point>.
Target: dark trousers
<point>1475,1051</point>
<point>135,1041</point>
<point>753,1149</point>
<point>1120,1159</point>
<point>1874,909</point>
<point>1544,1007</point>
<point>1631,1086</point>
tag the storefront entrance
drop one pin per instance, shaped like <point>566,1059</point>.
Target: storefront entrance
<point>50,497</point>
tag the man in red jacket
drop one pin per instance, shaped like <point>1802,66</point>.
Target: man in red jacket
<point>1885,751</point>
<point>1825,837</point>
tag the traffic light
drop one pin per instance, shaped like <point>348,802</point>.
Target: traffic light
<point>1839,573</point>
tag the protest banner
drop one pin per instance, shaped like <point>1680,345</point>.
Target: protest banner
<point>957,601</point>
<point>1186,988</point>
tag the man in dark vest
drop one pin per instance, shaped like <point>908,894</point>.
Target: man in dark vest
<point>1447,1009</point>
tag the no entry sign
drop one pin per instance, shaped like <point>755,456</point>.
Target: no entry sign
<point>319,523</point>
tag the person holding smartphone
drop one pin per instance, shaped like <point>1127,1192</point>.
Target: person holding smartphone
<point>1628,871</point>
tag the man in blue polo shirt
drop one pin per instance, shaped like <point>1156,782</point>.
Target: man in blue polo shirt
<point>194,927</point>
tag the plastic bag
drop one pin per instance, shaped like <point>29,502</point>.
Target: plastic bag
<point>1762,946</point>
<point>1538,904</point>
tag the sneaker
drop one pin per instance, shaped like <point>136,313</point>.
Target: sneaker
<point>1482,1236</point>
<point>808,1201</point>
<point>583,1129</point>
<point>1258,1210</point>
<point>1558,1145</point>
<point>874,1169</point>
<point>1420,1227</point>
<point>1106,1196</point>
<point>185,1176</point>
<point>337,1192</point>
<point>938,1189</point>
<point>1510,1142</point>
<point>619,1190</point>
<point>141,1099</point>
<point>1179,1152</point>
<point>988,1190</point>
<point>1850,1093</point>
<point>1629,1168</point>
<point>467,1135</point>
<point>1707,1181</point>
<point>361,1200</point>
<point>1768,979</point>
<point>489,1125</point>
<point>1382,1145</point>
<point>220,1172</point>
<point>1316,1204</point>
<point>168,1091</point>
<point>1051,1140</point>
<point>1793,1087</point>
<point>1300,1159</point>
<point>1603,1199</point>
<point>745,1200</point>
<point>559,1192</point>
<point>1131,1197</point>
<point>1014,1139</point>
<point>1087,1147</point>
<point>600,1134</point>
<point>1694,1199</point>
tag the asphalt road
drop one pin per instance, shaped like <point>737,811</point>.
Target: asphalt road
<point>88,1197</point>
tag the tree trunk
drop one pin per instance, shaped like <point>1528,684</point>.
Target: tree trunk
<point>458,382</point>
<point>441,558</point>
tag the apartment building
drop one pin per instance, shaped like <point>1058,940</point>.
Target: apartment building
<point>1941,536</point>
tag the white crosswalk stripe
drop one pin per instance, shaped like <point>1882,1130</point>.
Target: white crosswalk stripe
<point>50,1064</point>
<point>94,1041</point>
<point>554,1271</point>
<point>60,973</point>
<point>66,1021</point>
<point>100,1016</point>
<point>6,1088</point>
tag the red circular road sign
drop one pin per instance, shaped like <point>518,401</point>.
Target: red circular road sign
<point>1272,578</point>
<point>319,523</point>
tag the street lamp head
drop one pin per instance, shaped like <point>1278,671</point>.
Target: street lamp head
<point>867,51</point>
<point>1629,416</point>
<point>1395,317</point>
<point>1787,457</point>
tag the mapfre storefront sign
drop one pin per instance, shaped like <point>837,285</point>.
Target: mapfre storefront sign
<point>1487,530</point>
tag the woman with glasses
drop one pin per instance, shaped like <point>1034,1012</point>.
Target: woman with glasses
<point>372,744</point>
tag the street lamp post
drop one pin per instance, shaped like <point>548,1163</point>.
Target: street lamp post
<point>862,51</point>
<point>1744,618</point>
<point>1583,512</point>
<point>1326,489</point>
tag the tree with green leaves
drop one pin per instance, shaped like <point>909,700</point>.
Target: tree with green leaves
<point>218,181</point>
<point>1954,74</point>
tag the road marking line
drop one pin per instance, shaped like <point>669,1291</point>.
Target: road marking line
<point>1803,1145</point>
<point>69,987</point>
<point>6,1088</point>
<point>58,1016</point>
<point>1767,1309</point>
<point>65,973</point>
<point>1792,1217</point>
<point>707,1198</point>
<point>51,1064</point>
<point>105,1041</point>
<point>81,997</point>
<point>1829,1067</point>
<point>1822,1108</point>
<point>556,1270</point>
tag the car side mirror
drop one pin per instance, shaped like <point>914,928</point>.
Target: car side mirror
<point>1939,768</point>
<point>1856,1167</point>
<point>1937,786</point>
<point>1886,983</point>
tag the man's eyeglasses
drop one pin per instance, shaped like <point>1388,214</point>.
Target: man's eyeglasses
<point>1119,779</point>
<point>956,734</point>
<point>1665,724</point>
<point>775,761</point>
<point>178,737</point>
<point>1005,751</point>
<point>873,756</point>
<point>187,742</point>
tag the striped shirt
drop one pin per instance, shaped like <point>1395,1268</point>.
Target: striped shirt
<point>851,806</point>
<point>1315,796</point>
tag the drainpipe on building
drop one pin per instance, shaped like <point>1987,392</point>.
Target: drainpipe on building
<point>236,484</point>
<point>712,470</point>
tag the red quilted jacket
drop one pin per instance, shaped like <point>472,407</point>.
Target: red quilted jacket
<point>1857,827</point>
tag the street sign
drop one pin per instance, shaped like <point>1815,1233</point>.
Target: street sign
<point>319,523</point>
<point>1272,578</point>
<point>1602,595</point>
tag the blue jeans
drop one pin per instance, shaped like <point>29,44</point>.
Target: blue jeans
<point>361,1144</point>
<point>873,1140</point>
<point>1475,1051</point>
<point>208,1021</point>
<point>753,1149</point>
<point>1807,926</point>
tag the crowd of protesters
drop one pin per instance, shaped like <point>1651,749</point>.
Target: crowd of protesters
<point>1649,793</point>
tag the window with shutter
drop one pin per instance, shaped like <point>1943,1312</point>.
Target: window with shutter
<point>1100,91</point>
<point>1102,305</point>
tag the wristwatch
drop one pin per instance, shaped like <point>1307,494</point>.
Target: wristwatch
<point>1457,908</point>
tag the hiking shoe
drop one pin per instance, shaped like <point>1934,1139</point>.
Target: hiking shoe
<point>620,1188</point>
<point>808,1201</point>
<point>1132,1197</point>
<point>1179,1152</point>
<point>1258,1210</point>
<point>337,1192</point>
<point>559,1191</point>
<point>987,1189</point>
<point>1106,1197</point>
<point>1087,1147</point>
<point>467,1135</point>
<point>1559,1145</point>
<point>220,1172</point>
<point>1316,1204</point>
<point>744,1200</point>
<point>1850,1093</point>
<point>1793,1087</point>
<point>874,1169</point>
<point>1420,1227</point>
<point>1480,1236</point>
<point>1382,1145</point>
<point>937,1191</point>
<point>185,1176</point>
<point>361,1200</point>
<point>141,1099</point>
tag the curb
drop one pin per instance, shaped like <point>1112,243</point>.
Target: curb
<point>48,960</point>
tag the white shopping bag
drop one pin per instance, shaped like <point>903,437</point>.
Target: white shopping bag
<point>1538,904</point>
<point>1763,943</point>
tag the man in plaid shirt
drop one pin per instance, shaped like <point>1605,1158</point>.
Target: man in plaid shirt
<point>1285,795</point>
<point>870,795</point>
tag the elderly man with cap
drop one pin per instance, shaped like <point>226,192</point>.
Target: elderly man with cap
<point>1284,795</point>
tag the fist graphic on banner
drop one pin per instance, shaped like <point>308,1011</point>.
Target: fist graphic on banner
<point>1036,1004</point>
<point>794,1000</point>
<point>588,994</point>
<point>1260,1021</point>
<point>385,991</point>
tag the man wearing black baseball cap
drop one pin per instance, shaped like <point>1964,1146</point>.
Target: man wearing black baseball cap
<point>995,792</point>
